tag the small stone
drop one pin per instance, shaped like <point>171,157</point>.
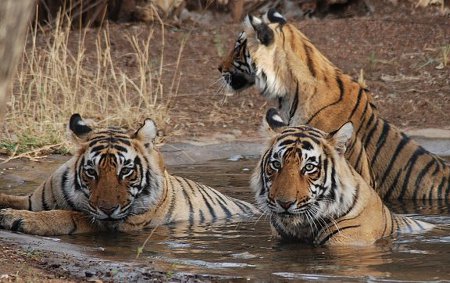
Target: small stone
<point>235,158</point>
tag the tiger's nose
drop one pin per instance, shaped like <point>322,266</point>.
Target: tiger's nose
<point>285,204</point>
<point>108,210</point>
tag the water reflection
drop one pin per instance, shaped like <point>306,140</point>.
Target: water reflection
<point>245,250</point>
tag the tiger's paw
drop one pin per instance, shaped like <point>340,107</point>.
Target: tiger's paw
<point>13,219</point>
<point>46,223</point>
<point>27,222</point>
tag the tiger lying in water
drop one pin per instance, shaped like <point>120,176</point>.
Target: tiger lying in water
<point>116,181</point>
<point>286,67</point>
<point>314,195</point>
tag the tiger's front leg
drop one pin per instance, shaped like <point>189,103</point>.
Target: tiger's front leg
<point>46,223</point>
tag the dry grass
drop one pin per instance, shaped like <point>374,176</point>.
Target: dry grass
<point>57,79</point>
<point>445,55</point>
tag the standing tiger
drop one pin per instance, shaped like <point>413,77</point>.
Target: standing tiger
<point>115,181</point>
<point>288,68</point>
<point>312,193</point>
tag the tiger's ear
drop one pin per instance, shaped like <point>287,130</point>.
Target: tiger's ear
<point>341,138</point>
<point>264,33</point>
<point>273,16</point>
<point>147,133</point>
<point>78,127</point>
<point>274,121</point>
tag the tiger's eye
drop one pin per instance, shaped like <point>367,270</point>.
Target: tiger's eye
<point>276,164</point>
<point>90,172</point>
<point>309,167</point>
<point>126,170</point>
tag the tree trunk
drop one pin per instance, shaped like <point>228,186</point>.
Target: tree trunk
<point>14,17</point>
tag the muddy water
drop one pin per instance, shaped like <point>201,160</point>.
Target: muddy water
<point>245,250</point>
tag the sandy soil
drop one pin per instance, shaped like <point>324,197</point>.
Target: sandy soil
<point>399,49</point>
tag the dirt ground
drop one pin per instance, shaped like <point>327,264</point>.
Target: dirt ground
<point>398,48</point>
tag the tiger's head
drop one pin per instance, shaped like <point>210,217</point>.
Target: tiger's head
<point>117,174</point>
<point>303,179</point>
<point>237,68</point>
<point>285,60</point>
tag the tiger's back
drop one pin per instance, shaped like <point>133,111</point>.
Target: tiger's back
<point>186,200</point>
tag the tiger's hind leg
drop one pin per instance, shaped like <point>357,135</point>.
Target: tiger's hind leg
<point>16,202</point>
<point>42,198</point>
<point>46,223</point>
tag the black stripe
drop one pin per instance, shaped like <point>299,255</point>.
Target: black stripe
<point>390,191</point>
<point>74,228</point>
<point>29,201</point>
<point>280,230</point>
<point>309,60</point>
<point>340,85</point>
<point>17,225</point>
<point>358,100</point>
<point>419,179</point>
<point>243,206</point>
<point>286,143</point>
<point>222,202</point>
<point>412,162</point>
<point>43,200</point>
<point>341,95</point>
<point>294,105</point>
<point>191,209</point>
<point>208,205</point>
<point>262,174</point>
<point>368,137</point>
<point>383,211</point>
<point>64,187</point>
<point>447,192</point>
<point>186,195</point>
<point>120,148</point>
<point>394,218</point>
<point>189,185</point>
<point>392,223</point>
<point>202,216</point>
<point>439,189</point>
<point>77,185</point>
<point>363,119</point>
<point>394,156</point>
<point>366,126</point>
<point>172,200</point>
<point>355,198</point>
<point>98,148</point>
<point>308,135</point>
<point>328,237</point>
<point>381,141</point>
<point>333,188</point>
<point>358,159</point>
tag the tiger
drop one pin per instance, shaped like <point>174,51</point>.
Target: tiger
<point>238,69</point>
<point>288,68</point>
<point>115,181</point>
<point>314,196</point>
